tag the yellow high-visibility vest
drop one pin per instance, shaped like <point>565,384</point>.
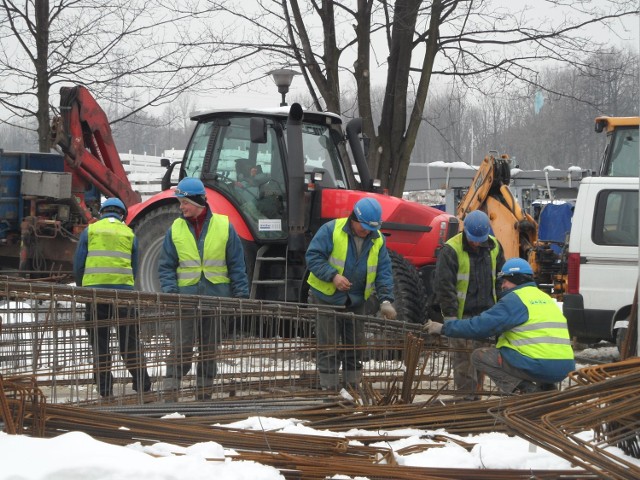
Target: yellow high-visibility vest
<point>109,247</point>
<point>213,263</point>
<point>545,334</point>
<point>338,258</point>
<point>464,269</point>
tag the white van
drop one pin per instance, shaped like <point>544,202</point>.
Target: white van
<point>602,257</point>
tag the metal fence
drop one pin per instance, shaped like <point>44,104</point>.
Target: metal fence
<point>263,349</point>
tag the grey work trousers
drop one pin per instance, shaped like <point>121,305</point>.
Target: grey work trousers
<point>468,381</point>
<point>506,377</point>
<point>340,341</point>
<point>189,330</point>
<point>128,341</point>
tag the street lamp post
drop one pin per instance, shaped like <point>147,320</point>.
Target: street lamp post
<point>283,78</point>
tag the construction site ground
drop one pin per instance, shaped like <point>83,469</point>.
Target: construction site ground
<point>266,368</point>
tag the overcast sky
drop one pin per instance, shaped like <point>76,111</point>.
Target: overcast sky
<point>265,94</point>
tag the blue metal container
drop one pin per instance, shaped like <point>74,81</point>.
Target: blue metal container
<point>11,203</point>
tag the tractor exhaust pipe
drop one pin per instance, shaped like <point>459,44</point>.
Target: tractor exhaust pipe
<point>354,128</point>
<point>295,169</point>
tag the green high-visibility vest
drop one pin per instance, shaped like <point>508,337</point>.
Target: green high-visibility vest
<point>464,269</point>
<point>545,334</point>
<point>339,257</point>
<point>213,263</point>
<point>109,247</point>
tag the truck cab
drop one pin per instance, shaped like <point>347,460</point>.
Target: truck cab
<point>621,156</point>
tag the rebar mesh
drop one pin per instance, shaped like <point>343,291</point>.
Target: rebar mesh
<point>263,348</point>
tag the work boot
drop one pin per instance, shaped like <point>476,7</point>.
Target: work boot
<point>329,381</point>
<point>107,397</point>
<point>203,394</point>
<point>170,396</point>
<point>352,378</point>
<point>525,386</point>
<point>147,396</point>
<point>548,387</point>
<point>466,398</point>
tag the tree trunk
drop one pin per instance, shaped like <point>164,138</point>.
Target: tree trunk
<point>42,73</point>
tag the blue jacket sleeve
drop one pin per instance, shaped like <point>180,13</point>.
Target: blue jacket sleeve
<point>236,266</point>
<point>134,257</point>
<point>319,251</point>
<point>167,265</point>
<point>80,257</point>
<point>384,275</point>
<point>508,313</point>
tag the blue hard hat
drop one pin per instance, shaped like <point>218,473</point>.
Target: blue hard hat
<point>369,213</point>
<point>516,266</point>
<point>477,226</point>
<point>190,187</point>
<point>113,204</point>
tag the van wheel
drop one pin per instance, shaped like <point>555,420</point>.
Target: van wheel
<point>150,232</point>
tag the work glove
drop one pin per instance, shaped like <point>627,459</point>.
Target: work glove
<point>432,328</point>
<point>387,310</point>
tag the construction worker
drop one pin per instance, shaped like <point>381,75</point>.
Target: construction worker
<point>465,286</point>
<point>534,348</point>
<point>201,255</point>
<point>348,261</point>
<point>106,257</point>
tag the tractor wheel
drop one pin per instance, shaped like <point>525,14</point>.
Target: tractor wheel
<point>150,232</point>
<point>408,289</point>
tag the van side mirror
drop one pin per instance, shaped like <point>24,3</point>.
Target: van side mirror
<point>165,162</point>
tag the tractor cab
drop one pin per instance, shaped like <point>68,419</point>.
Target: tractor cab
<point>249,166</point>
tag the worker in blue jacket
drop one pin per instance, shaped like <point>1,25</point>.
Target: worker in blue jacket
<point>533,351</point>
<point>348,261</point>
<point>201,255</point>
<point>106,257</point>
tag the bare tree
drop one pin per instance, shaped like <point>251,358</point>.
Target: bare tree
<point>463,38</point>
<point>118,49</point>
<point>559,132</point>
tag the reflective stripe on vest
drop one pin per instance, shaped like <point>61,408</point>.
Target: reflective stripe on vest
<point>545,334</point>
<point>464,268</point>
<point>338,258</point>
<point>213,264</point>
<point>109,247</point>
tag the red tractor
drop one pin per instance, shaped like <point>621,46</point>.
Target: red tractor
<point>279,174</point>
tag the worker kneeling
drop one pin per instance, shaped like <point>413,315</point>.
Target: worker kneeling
<point>533,351</point>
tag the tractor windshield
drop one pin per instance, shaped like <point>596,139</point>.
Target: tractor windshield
<point>250,174</point>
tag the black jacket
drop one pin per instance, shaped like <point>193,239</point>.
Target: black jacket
<point>480,293</point>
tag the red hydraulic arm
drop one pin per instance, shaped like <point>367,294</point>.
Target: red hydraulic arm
<point>83,134</point>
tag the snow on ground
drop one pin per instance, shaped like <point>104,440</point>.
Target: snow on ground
<point>77,456</point>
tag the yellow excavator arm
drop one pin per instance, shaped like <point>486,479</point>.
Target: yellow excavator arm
<point>489,191</point>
